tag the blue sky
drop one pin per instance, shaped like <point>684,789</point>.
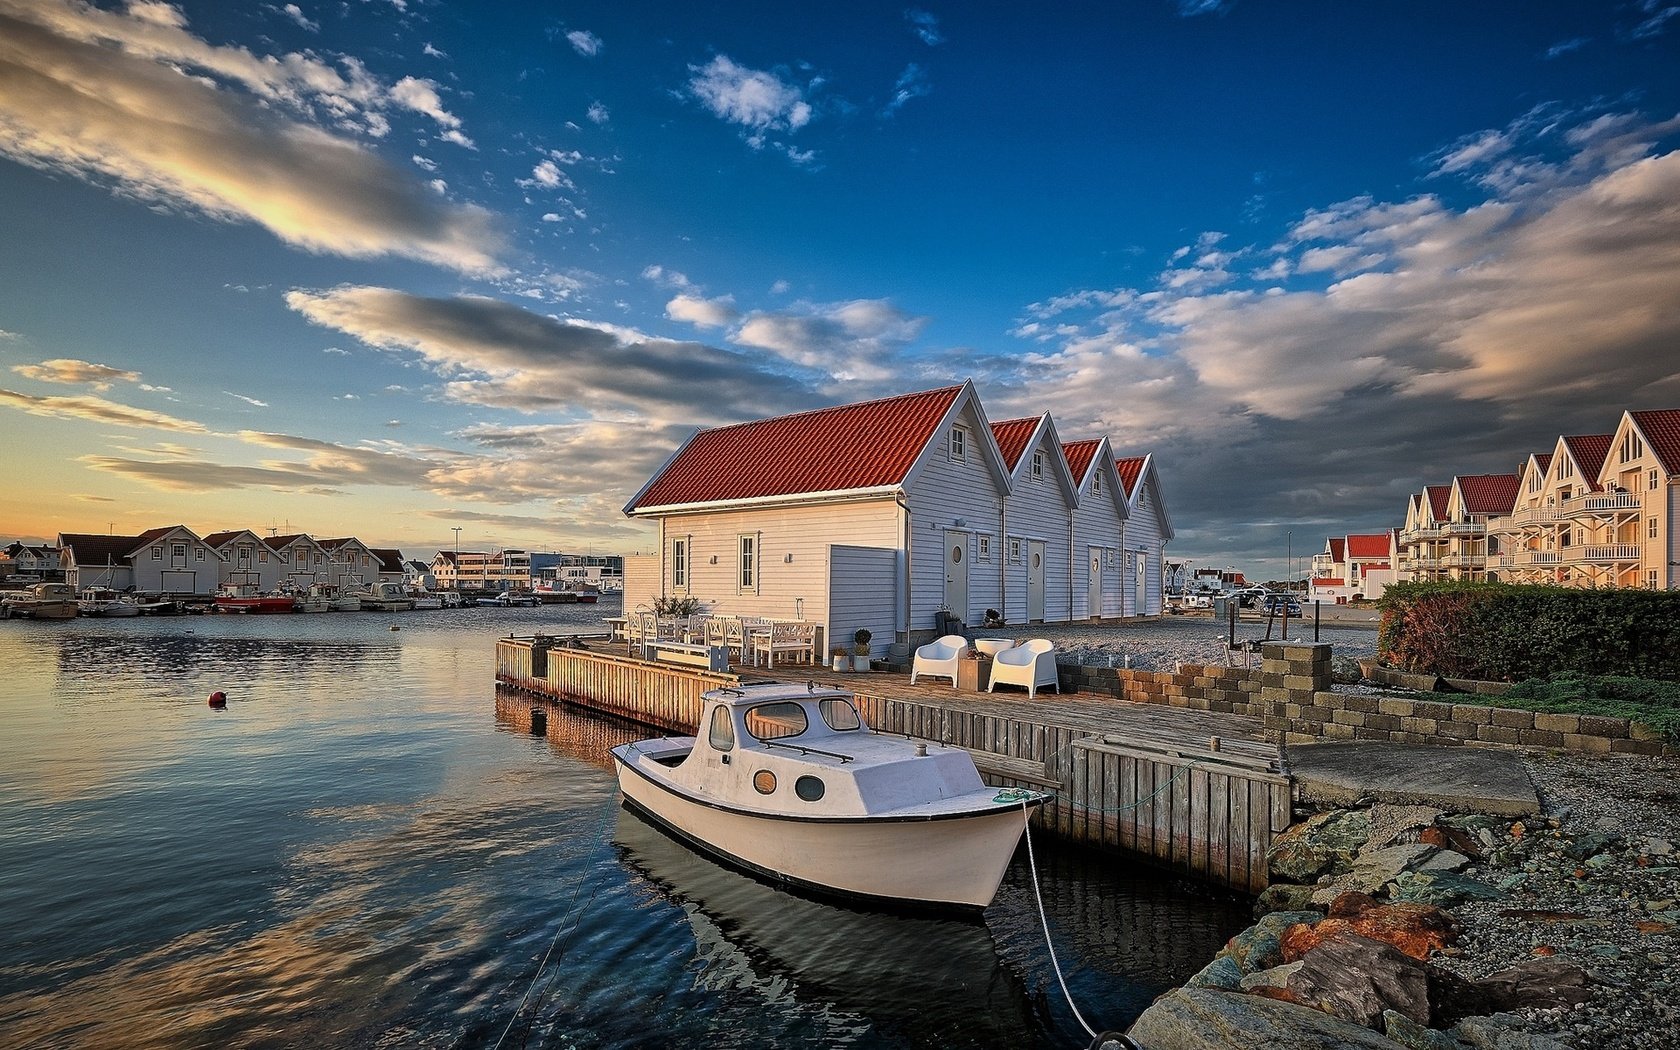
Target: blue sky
<point>388,267</point>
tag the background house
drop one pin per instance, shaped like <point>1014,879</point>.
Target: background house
<point>1099,529</point>
<point>878,515</point>
<point>1148,530</point>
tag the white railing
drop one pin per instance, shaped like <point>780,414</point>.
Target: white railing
<point>1607,552</point>
<point>1601,503</point>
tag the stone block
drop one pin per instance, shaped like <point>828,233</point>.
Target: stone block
<point>1276,722</point>
<point>1269,666</point>
<point>1539,738</point>
<point>1581,742</point>
<point>1641,731</point>
<point>1430,709</point>
<point>1400,708</point>
<point>1314,713</point>
<point>1293,737</point>
<point>1599,725</point>
<point>1302,683</point>
<point>1456,730</point>
<point>1349,718</point>
<point>1387,723</point>
<point>1367,704</point>
<point>1332,731</point>
<point>1473,713</point>
<point>1498,734</point>
<point>1420,726</point>
<point>1274,694</point>
<point>1510,718</point>
<point>1249,685</point>
<point>1636,747</point>
<point>1553,723</point>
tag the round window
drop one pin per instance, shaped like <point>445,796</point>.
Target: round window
<point>808,788</point>
<point>1035,560</point>
<point>764,782</point>
<point>956,555</point>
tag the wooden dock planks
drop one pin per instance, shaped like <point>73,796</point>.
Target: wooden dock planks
<point>1194,792</point>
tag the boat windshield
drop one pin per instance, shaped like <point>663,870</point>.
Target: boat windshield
<point>773,721</point>
<point>840,715</point>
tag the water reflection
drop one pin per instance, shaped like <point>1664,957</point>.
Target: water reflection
<point>905,974</point>
<point>128,655</point>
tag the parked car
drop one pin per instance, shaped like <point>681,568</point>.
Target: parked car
<point>1286,604</point>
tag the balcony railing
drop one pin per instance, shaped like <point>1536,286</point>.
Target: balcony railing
<point>1601,503</point>
<point>1604,553</point>
<point>1464,561</point>
<point>1523,559</point>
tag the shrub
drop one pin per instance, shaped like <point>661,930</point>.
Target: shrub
<point>1507,632</point>
<point>677,607</point>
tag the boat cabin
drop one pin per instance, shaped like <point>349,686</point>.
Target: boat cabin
<point>805,751</point>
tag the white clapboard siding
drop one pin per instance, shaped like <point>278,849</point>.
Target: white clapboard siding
<point>1098,521</point>
<point>943,492</point>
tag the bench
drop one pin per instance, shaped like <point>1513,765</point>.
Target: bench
<point>711,657</point>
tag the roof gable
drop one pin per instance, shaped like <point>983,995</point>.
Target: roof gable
<point>1338,549</point>
<point>169,532</point>
<point>219,540</point>
<point>1092,458</point>
<point>390,560</point>
<point>1042,438</point>
<point>1661,430</point>
<point>1013,436</point>
<point>1438,495</point>
<point>91,549</point>
<point>1588,451</point>
<point>1487,493</point>
<point>1139,473</point>
<point>874,444</point>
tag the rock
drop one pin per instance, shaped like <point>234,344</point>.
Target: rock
<point>1453,839</point>
<point>1324,843</point>
<point>1545,983</point>
<point>1414,929</point>
<point>1374,869</point>
<point>1345,670</point>
<point>1442,888</point>
<point>1207,1019</point>
<point>1222,972</point>
<point>1658,847</point>
<point>1356,979</point>
<point>1283,896</point>
<point>1276,977</point>
<point>1259,947</point>
<point>1502,1032</point>
<point>1388,822</point>
<point>1590,844</point>
<point>1413,1036</point>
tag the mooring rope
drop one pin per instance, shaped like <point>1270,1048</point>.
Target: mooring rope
<point>1044,920</point>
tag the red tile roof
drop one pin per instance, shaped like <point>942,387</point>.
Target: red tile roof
<point>1367,545</point>
<point>1337,551</point>
<point>1543,460</point>
<point>1488,493</point>
<point>1661,428</point>
<point>1589,451</point>
<point>1012,436</point>
<point>868,445</point>
<point>1438,496</point>
<point>1130,469</point>
<point>1079,455</point>
<point>1328,581</point>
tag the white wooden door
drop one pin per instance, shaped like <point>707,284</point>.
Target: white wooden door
<point>956,574</point>
<point>1035,579</point>
<point>1143,607</point>
<point>1093,585</point>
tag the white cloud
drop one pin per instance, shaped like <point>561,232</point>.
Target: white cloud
<point>925,25</point>
<point>100,95</point>
<point>584,42</point>
<point>703,313</point>
<point>246,399</point>
<point>760,102</point>
<point>73,371</point>
<point>432,52</point>
<point>912,83</point>
<point>98,410</point>
<point>863,339</point>
<point>598,113</point>
<point>295,13</point>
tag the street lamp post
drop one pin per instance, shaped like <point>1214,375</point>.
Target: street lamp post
<point>1289,559</point>
<point>457,531</point>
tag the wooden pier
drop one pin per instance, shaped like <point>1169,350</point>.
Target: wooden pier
<point>1196,792</point>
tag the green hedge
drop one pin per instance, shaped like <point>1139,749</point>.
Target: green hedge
<point>1507,632</point>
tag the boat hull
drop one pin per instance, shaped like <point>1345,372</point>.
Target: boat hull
<point>265,604</point>
<point>50,610</point>
<point>952,862</point>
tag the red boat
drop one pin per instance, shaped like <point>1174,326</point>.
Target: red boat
<point>249,600</point>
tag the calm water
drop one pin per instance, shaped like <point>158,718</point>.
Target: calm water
<point>357,853</point>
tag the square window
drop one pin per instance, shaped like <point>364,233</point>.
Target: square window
<point>1015,550</point>
<point>983,545</point>
<point>157,553</point>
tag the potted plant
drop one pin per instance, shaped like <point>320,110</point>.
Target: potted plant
<point>837,658</point>
<point>860,649</point>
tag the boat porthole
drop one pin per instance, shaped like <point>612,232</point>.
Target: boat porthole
<point>764,782</point>
<point>808,788</point>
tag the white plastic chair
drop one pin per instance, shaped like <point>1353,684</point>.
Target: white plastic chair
<point>1030,664</point>
<point>939,657</point>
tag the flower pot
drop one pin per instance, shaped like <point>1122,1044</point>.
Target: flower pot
<point>840,663</point>
<point>860,663</point>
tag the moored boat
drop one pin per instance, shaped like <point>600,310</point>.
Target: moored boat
<point>387,597</point>
<point>787,782</point>
<point>42,601</point>
<point>247,599</point>
<point>103,601</point>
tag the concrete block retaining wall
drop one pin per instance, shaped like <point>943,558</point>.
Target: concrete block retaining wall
<point>1291,693</point>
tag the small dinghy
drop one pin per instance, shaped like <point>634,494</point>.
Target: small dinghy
<point>786,781</point>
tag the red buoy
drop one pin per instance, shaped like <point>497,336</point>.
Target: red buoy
<point>218,699</point>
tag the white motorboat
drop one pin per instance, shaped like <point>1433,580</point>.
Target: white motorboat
<point>103,601</point>
<point>42,601</point>
<point>787,782</point>
<point>387,597</point>
<point>426,599</point>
